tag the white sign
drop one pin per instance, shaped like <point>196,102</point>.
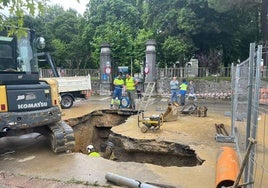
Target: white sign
<point>107,70</point>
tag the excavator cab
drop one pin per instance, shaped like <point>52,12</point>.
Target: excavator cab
<point>18,57</point>
<point>28,104</point>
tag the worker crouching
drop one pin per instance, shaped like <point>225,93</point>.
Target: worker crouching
<point>91,151</point>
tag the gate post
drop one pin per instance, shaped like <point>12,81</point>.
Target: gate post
<point>105,70</point>
<point>150,62</point>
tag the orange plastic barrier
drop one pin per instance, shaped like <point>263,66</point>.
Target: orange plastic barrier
<point>227,168</point>
<point>263,96</point>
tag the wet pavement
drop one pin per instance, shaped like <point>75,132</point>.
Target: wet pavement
<point>29,156</point>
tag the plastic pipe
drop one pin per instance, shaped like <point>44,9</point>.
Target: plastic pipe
<point>124,181</point>
<point>227,168</point>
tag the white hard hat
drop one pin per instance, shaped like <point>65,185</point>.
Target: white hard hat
<point>90,147</point>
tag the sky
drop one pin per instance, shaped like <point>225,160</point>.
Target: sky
<point>80,7</point>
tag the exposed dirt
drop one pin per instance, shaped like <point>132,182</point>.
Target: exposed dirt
<point>93,128</point>
<point>194,133</point>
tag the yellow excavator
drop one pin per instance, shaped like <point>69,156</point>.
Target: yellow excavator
<point>27,103</point>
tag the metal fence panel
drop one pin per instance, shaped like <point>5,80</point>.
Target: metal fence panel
<point>257,170</point>
<point>249,118</point>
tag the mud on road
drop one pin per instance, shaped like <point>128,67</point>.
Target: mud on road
<point>35,164</point>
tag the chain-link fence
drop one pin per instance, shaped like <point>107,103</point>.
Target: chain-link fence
<point>249,119</point>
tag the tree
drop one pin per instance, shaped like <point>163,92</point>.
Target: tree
<point>66,39</point>
<point>176,49</point>
<point>18,9</point>
<point>62,31</point>
<point>257,7</point>
<point>182,29</point>
<point>116,22</point>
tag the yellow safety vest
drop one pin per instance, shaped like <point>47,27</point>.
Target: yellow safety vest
<point>183,86</point>
<point>130,83</point>
<point>94,154</point>
<point>119,82</point>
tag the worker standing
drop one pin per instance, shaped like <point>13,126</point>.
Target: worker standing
<point>118,86</point>
<point>174,86</point>
<point>183,90</point>
<point>131,84</point>
<point>192,94</point>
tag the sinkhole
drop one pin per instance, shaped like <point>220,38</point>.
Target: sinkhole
<point>95,129</point>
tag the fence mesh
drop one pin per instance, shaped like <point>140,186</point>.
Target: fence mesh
<point>249,118</point>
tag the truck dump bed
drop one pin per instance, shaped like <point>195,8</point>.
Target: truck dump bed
<point>70,88</point>
<point>77,83</point>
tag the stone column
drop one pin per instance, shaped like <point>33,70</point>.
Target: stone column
<point>105,70</point>
<point>150,62</point>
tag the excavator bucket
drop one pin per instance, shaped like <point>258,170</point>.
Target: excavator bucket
<point>171,113</point>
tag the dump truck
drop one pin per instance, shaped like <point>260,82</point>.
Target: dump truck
<point>71,87</point>
<point>28,104</point>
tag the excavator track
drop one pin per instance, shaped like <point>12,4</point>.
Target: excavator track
<point>61,137</point>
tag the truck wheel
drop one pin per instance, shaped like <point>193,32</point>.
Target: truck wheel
<point>66,101</point>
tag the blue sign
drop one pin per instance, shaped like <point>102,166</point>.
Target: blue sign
<point>104,77</point>
<point>123,69</point>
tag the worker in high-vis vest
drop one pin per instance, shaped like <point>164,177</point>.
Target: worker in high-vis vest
<point>130,88</point>
<point>91,151</point>
<point>183,90</point>
<point>118,87</point>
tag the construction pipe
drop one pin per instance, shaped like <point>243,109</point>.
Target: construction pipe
<point>227,168</point>
<point>124,181</point>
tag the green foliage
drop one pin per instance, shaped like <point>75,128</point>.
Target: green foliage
<point>181,28</point>
<point>176,49</point>
<point>139,42</point>
<point>18,9</point>
<point>115,22</point>
<point>223,6</point>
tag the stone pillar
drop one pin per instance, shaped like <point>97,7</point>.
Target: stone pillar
<point>105,70</point>
<point>150,62</point>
